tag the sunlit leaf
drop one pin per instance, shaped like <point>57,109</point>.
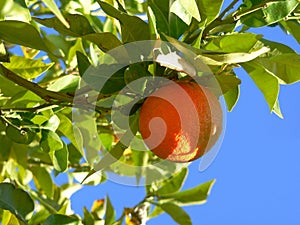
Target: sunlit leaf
<point>60,158</point>
<point>196,195</point>
<point>58,219</point>
<point>265,81</point>
<point>269,13</point>
<point>173,183</point>
<point>177,213</point>
<point>209,10</point>
<point>109,212</point>
<point>54,8</point>
<point>292,27</point>
<point>68,83</point>
<point>285,66</point>
<point>71,131</point>
<point>43,180</point>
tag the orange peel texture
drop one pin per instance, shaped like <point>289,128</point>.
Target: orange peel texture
<point>181,121</point>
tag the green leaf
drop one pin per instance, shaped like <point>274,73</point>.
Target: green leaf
<point>158,16</point>
<point>140,30</point>
<point>231,97</point>
<point>109,212</point>
<point>178,9</point>
<point>50,141</point>
<point>20,135</point>
<point>286,67</point>
<point>83,62</point>
<point>4,57</point>
<point>71,131</point>
<point>196,195</point>
<point>43,180</point>
<point>292,27</point>
<point>51,124</point>
<point>60,158</point>
<point>269,13</point>
<point>106,78</point>
<point>9,218</point>
<point>265,81</point>
<point>105,41</point>
<point>58,219</point>
<point>15,10</point>
<point>77,47</point>
<point>237,42</point>
<point>192,8</point>
<point>68,83</point>
<point>24,99</point>
<point>21,33</point>
<point>53,7</point>
<point>230,58</point>
<point>79,25</point>
<point>227,82</point>
<point>174,183</point>
<point>209,10</point>
<point>177,213</point>
<point>16,201</point>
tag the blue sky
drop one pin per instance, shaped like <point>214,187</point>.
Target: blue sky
<point>257,169</point>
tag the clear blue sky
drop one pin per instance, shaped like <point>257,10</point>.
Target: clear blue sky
<point>257,169</point>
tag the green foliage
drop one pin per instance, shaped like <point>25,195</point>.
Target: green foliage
<point>54,119</point>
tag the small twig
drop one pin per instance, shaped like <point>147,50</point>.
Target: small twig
<point>227,9</point>
<point>34,109</point>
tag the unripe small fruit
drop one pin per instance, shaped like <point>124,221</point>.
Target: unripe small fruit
<point>181,121</point>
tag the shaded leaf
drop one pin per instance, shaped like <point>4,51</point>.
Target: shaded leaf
<point>231,97</point>
<point>177,213</point>
<point>17,201</point>
<point>105,41</point>
<point>227,82</point>
<point>83,63</point>
<point>21,33</point>
<point>140,30</point>
<point>79,25</point>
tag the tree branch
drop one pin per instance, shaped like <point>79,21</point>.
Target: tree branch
<point>35,88</point>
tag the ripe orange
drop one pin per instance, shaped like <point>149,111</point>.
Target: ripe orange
<point>181,121</point>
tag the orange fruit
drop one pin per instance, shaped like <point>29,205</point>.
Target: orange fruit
<point>180,121</point>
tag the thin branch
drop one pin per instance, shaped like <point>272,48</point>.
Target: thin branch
<point>35,88</point>
<point>227,9</point>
